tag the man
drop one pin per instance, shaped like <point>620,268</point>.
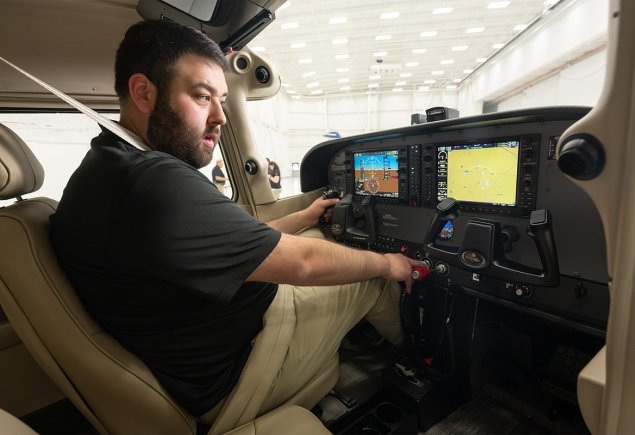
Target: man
<point>218,176</point>
<point>178,273</point>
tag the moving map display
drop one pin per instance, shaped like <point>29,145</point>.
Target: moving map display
<point>481,173</point>
<point>376,173</point>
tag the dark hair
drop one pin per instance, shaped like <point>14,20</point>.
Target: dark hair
<point>154,47</point>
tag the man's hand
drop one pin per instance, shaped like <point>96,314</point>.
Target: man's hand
<point>320,207</point>
<point>401,269</point>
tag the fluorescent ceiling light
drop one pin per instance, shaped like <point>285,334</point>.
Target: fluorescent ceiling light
<point>481,59</point>
<point>397,89</point>
<point>285,85</point>
<point>498,45</point>
<point>459,48</point>
<point>291,92</point>
<point>428,34</point>
<point>341,56</point>
<point>468,71</point>
<point>342,70</point>
<point>380,53</point>
<point>338,20</point>
<point>447,62</point>
<point>343,80</point>
<point>345,88</point>
<point>411,64</point>
<point>419,50</point>
<point>316,92</point>
<point>290,25</point>
<point>401,83</point>
<point>295,97</point>
<point>374,77</point>
<point>520,27</point>
<point>429,82</point>
<point>437,73</point>
<point>298,45</point>
<point>423,88</point>
<point>305,60</point>
<point>373,85</point>
<point>498,5</point>
<point>339,41</point>
<point>405,75</point>
<point>258,49</point>
<point>450,87</point>
<point>383,37</point>
<point>313,85</point>
<point>441,11</point>
<point>474,30</point>
<point>308,74</point>
<point>389,15</point>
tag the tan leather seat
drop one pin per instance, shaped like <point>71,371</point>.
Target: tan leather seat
<point>10,424</point>
<point>111,387</point>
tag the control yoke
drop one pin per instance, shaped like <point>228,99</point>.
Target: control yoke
<point>485,243</point>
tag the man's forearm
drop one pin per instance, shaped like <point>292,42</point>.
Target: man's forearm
<point>290,224</point>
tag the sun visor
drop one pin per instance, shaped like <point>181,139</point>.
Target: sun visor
<point>231,23</point>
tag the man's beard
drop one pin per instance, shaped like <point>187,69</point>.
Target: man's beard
<point>168,132</point>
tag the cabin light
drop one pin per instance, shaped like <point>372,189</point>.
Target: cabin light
<point>481,59</point>
<point>498,45</point>
<point>258,49</point>
<point>374,77</point>
<point>459,48</point>
<point>441,11</point>
<point>520,27</point>
<point>338,20</point>
<point>475,30</point>
<point>383,37</point>
<point>290,25</point>
<point>405,75</point>
<point>419,50</point>
<point>423,88</point>
<point>345,88</point>
<point>341,56</point>
<point>498,5</point>
<point>298,45</point>
<point>340,41</point>
<point>343,80</point>
<point>468,71</point>
<point>389,15</point>
<point>400,83</point>
<point>308,74</point>
<point>437,73</point>
<point>428,34</point>
<point>411,64</point>
<point>316,92</point>
<point>429,81</point>
<point>373,85</point>
<point>450,87</point>
<point>313,85</point>
<point>380,54</point>
<point>305,61</point>
<point>397,89</point>
<point>342,70</point>
<point>447,62</point>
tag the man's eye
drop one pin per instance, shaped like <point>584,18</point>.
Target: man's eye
<point>205,97</point>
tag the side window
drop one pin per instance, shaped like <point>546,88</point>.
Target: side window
<point>218,172</point>
<point>61,140</point>
<point>58,140</point>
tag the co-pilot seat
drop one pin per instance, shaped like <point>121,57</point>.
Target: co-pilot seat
<point>112,388</point>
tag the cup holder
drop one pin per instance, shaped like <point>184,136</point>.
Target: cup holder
<point>389,413</point>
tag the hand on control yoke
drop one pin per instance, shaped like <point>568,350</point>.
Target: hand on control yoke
<point>321,209</point>
<point>401,269</point>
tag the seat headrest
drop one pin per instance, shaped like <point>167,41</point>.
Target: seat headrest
<point>20,170</point>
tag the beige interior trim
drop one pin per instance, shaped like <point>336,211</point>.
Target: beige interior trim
<point>611,122</point>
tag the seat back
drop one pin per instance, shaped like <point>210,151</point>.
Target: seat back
<point>111,387</point>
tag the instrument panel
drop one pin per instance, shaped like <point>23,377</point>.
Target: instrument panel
<point>482,203</point>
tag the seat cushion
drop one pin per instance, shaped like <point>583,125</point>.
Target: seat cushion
<point>287,420</point>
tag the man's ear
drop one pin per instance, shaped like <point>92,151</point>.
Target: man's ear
<point>143,93</point>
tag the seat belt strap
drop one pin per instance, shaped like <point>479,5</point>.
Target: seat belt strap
<point>108,124</point>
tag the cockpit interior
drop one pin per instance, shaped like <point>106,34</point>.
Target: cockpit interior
<point>521,220</point>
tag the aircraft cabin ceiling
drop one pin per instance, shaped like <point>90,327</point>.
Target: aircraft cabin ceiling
<point>334,46</point>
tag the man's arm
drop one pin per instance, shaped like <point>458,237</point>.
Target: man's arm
<point>294,222</point>
<point>307,261</point>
